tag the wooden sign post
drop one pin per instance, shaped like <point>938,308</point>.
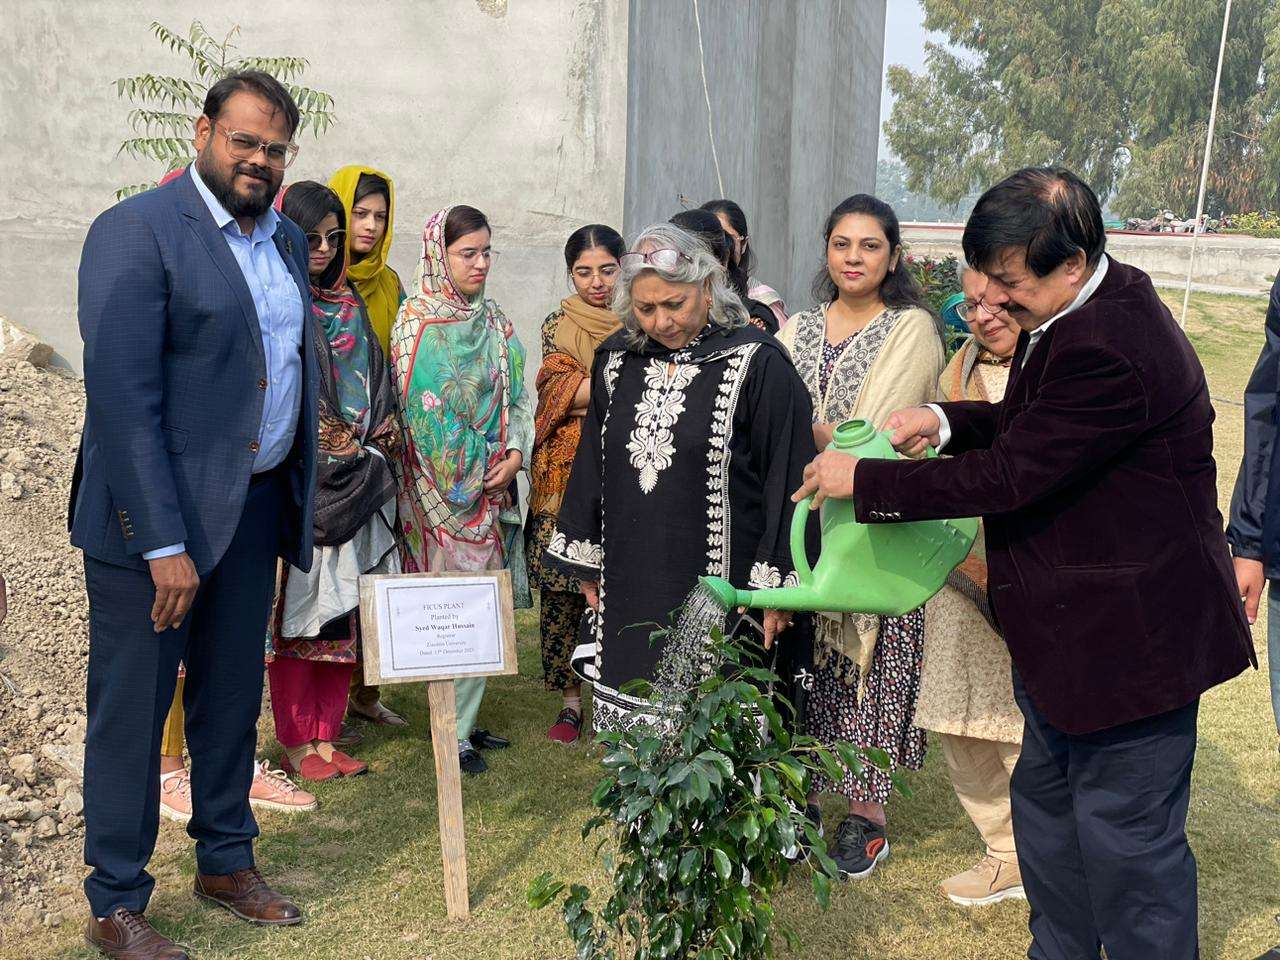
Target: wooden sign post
<point>439,628</point>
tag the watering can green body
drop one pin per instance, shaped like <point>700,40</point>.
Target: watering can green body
<point>882,568</point>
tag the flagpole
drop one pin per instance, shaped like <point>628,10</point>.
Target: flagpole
<point>1204,171</point>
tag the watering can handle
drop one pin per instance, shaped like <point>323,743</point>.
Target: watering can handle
<point>929,452</point>
<point>799,523</point>
<point>799,557</point>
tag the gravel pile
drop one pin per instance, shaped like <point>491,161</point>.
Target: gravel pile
<point>43,649</point>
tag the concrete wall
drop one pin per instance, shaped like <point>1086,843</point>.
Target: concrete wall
<point>795,112</point>
<point>1225,263</point>
<point>517,108</point>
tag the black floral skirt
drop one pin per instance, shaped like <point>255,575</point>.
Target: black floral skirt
<point>559,620</point>
<point>884,716</point>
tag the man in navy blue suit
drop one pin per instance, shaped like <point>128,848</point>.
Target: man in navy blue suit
<point>195,473</point>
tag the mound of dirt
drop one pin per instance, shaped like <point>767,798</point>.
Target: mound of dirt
<point>43,648</point>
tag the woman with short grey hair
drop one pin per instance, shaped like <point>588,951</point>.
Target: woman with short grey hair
<point>697,432</point>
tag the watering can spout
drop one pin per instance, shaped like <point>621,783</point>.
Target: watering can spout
<point>778,598</point>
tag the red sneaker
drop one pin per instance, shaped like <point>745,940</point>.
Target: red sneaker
<point>567,728</point>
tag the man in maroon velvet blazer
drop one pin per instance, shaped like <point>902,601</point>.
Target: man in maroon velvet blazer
<point>1108,567</point>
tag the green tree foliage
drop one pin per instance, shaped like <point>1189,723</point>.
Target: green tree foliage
<point>910,205</point>
<point>166,107</point>
<point>1117,90</point>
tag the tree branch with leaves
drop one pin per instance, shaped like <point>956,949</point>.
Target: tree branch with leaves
<point>166,107</point>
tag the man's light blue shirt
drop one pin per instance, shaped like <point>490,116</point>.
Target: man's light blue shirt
<point>278,303</point>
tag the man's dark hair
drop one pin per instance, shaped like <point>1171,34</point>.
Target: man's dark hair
<point>1047,212</point>
<point>252,81</point>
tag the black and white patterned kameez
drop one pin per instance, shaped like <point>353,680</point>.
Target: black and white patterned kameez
<point>686,466</point>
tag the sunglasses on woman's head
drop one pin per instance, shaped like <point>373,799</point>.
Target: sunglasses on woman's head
<point>664,259</point>
<point>334,238</point>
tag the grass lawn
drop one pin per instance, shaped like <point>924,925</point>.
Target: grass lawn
<point>366,866</point>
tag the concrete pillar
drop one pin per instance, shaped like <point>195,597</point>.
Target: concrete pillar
<point>794,90</point>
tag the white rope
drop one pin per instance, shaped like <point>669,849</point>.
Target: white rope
<point>706,93</point>
<point>1204,171</point>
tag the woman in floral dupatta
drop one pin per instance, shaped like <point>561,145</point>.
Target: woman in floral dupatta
<point>458,369</point>
<point>570,337</point>
<point>316,628</point>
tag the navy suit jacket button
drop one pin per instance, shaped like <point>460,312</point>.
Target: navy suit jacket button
<point>253,445</point>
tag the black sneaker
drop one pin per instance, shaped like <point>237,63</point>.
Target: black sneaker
<point>860,845</point>
<point>471,762</point>
<point>484,740</point>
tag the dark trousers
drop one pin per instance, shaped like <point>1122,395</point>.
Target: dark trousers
<point>1100,824</point>
<point>132,674</point>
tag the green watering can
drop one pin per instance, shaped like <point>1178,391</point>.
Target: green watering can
<point>883,568</point>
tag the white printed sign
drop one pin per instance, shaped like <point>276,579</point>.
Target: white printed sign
<point>435,626</point>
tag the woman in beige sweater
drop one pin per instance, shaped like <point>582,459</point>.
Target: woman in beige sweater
<point>966,688</point>
<point>868,348</point>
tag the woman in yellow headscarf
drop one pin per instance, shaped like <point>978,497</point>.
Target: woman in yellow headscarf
<point>369,198</point>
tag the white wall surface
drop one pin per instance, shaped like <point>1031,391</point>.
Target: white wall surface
<point>518,108</point>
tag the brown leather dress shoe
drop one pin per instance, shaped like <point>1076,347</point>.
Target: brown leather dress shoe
<point>124,935</point>
<point>247,895</point>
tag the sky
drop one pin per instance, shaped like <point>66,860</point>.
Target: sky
<point>904,38</point>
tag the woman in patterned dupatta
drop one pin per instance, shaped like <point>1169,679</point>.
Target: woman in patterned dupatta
<point>570,338</point>
<point>458,368</point>
<point>315,629</point>
<point>869,348</point>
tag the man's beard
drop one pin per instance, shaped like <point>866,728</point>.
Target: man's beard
<point>238,204</point>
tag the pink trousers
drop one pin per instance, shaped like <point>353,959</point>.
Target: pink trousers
<point>308,698</point>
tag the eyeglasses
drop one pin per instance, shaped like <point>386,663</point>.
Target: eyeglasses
<point>244,146</point>
<point>969,311</point>
<point>468,257</point>
<point>334,239</point>
<point>664,259</point>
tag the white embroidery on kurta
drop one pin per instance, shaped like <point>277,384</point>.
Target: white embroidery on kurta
<point>652,444</point>
<point>611,368</point>
<point>719,453</point>
<point>584,553</point>
<point>764,576</point>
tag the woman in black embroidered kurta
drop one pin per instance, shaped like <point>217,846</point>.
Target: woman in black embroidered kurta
<point>687,460</point>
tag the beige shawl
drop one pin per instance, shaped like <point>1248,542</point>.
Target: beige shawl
<point>894,362</point>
